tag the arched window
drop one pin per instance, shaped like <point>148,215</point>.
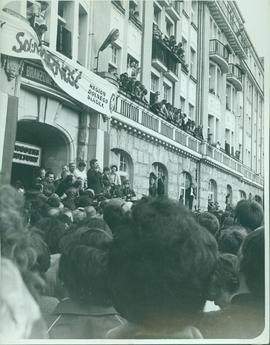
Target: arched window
<point>229,194</point>
<point>124,163</point>
<point>242,194</point>
<point>162,173</point>
<point>185,182</point>
<point>212,191</point>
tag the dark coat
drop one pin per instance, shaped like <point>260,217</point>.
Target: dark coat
<point>95,181</point>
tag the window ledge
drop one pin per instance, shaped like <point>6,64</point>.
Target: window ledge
<point>193,79</point>
<point>194,26</point>
<point>119,7</point>
<point>185,13</point>
<point>136,22</point>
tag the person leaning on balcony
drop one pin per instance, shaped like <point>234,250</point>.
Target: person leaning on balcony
<point>124,81</point>
<point>218,145</point>
<point>164,109</point>
<point>185,121</point>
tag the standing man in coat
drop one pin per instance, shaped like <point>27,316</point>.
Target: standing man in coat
<point>94,177</point>
<point>190,195</point>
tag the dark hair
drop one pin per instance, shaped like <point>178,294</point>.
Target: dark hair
<point>83,263</point>
<point>209,221</point>
<point>52,230</point>
<point>106,169</point>
<point>252,262</point>
<point>49,172</point>
<point>114,166</point>
<point>42,263</point>
<point>160,262</point>
<point>230,239</point>
<point>53,201</point>
<point>249,213</point>
<point>82,164</point>
<point>93,161</point>
<point>226,274</point>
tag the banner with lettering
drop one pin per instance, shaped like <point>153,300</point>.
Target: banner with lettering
<point>18,39</point>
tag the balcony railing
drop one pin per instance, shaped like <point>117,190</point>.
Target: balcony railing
<point>219,53</point>
<point>149,122</point>
<point>155,123</point>
<point>235,76</point>
<point>162,53</point>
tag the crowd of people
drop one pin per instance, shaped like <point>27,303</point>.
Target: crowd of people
<point>78,265</point>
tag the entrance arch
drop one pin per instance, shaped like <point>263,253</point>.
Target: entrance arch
<point>54,144</point>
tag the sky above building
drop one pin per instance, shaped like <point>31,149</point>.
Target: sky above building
<point>257,22</point>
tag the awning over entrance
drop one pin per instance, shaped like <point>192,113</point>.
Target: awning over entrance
<point>18,39</point>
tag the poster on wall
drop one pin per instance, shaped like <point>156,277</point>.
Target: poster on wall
<point>27,154</point>
<point>18,39</point>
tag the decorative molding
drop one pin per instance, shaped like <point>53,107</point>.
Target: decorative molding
<point>12,66</point>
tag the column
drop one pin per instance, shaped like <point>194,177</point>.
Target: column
<point>10,71</point>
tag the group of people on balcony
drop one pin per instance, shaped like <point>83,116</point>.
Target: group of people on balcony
<point>169,42</point>
<point>36,17</point>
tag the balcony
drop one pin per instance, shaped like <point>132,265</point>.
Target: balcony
<point>165,58</point>
<point>219,54</point>
<point>228,22</point>
<point>142,122</point>
<point>174,9</point>
<point>235,77</point>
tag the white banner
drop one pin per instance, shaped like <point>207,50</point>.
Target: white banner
<point>18,39</point>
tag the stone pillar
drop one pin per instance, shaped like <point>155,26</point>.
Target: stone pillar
<point>83,134</point>
<point>98,141</point>
<point>10,71</point>
<point>146,40</point>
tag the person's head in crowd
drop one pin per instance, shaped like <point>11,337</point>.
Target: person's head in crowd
<point>79,215</point>
<point>83,201</point>
<point>252,262</point>
<point>225,280</point>
<point>49,176</point>
<point>113,212</point>
<point>152,178</point>
<point>227,221</point>
<point>249,213</point>
<point>64,174</point>
<point>94,164</point>
<point>52,230</point>
<point>19,186</point>
<point>106,171</point>
<point>42,173</point>
<point>126,183</point>
<point>83,263</point>
<point>231,238</point>
<point>42,263</point>
<point>15,237</point>
<point>89,192</point>
<point>209,221</point>
<point>38,187</point>
<point>71,193</point>
<point>78,184</point>
<point>90,211</point>
<point>114,168</point>
<point>54,201</point>
<point>72,167</point>
<point>81,165</point>
<point>160,264</point>
<point>19,313</point>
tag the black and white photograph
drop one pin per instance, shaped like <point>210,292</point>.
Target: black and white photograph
<point>134,171</point>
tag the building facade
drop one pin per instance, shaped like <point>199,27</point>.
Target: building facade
<point>194,55</point>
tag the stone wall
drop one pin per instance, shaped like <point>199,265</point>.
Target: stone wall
<point>145,153</point>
